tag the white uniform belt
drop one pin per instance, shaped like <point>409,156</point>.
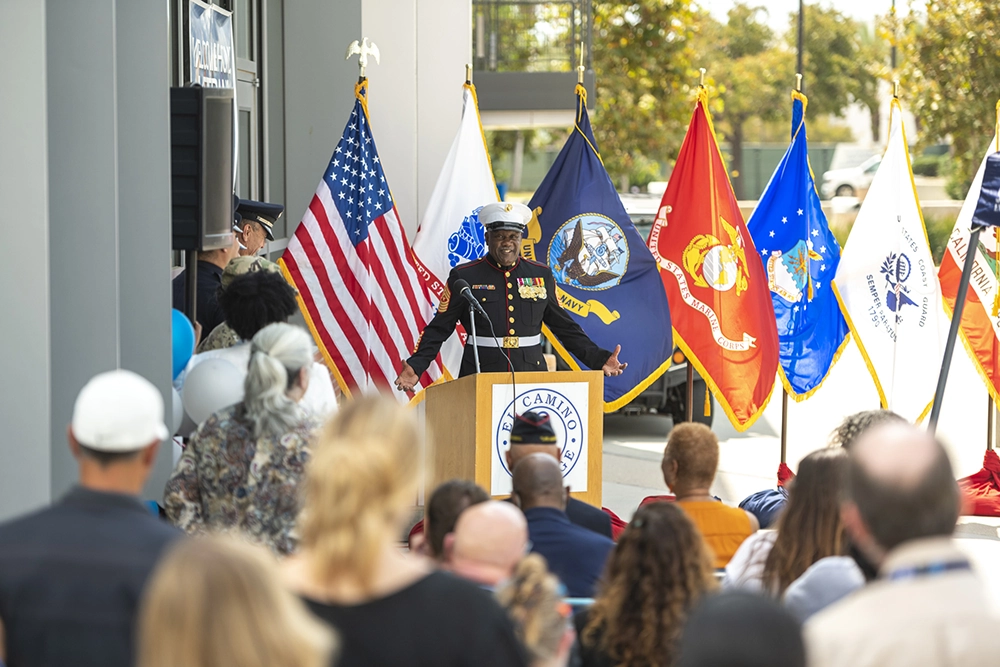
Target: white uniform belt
<point>506,341</point>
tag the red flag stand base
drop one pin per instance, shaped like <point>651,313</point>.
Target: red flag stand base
<point>982,490</point>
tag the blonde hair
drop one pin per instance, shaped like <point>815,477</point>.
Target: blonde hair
<point>214,600</point>
<point>278,352</point>
<point>533,602</point>
<point>360,485</point>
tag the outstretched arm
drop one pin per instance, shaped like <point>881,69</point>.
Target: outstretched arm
<point>572,335</point>
<point>433,337</point>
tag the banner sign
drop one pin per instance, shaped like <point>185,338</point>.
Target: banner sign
<point>567,403</point>
<point>213,58</point>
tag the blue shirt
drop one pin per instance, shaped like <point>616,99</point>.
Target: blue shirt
<point>574,554</point>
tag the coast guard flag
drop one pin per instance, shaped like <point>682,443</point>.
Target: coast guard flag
<point>800,257</point>
<point>359,290</point>
<point>888,288</point>
<point>714,279</point>
<point>980,328</point>
<point>450,233</point>
<point>606,277</point>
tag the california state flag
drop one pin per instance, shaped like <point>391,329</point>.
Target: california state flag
<point>980,328</point>
<point>450,233</point>
<point>719,300</point>
<point>888,288</point>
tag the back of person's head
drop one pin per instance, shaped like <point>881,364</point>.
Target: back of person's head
<point>740,629</point>
<point>901,484</point>
<point>810,528</point>
<point>538,482</point>
<point>448,501</point>
<point>531,433</point>
<point>489,540</point>
<point>695,450</point>
<point>217,601</point>
<point>534,603</point>
<point>117,418</point>
<point>360,487</point>
<point>253,300</point>
<point>853,426</point>
<point>279,354</point>
<point>658,570</point>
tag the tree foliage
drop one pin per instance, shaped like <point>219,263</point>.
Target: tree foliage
<point>950,54</point>
<point>645,82</point>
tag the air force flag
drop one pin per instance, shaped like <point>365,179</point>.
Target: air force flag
<point>800,256</point>
<point>606,276</point>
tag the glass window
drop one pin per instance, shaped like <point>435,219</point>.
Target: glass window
<point>243,28</point>
<point>244,169</point>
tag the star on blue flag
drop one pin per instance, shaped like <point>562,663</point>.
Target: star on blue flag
<point>800,256</point>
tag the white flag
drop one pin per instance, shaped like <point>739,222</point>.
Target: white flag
<point>888,287</point>
<point>450,233</point>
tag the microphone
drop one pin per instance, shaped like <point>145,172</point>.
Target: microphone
<point>462,287</point>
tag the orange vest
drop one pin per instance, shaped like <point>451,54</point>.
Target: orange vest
<point>723,527</point>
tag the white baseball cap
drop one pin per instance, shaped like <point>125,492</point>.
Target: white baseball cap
<point>118,411</point>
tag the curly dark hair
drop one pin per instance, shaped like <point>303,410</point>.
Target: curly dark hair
<point>849,430</point>
<point>254,300</point>
<point>810,527</point>
<point>657,572</point>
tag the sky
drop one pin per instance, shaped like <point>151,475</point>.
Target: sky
<point>778,10</point>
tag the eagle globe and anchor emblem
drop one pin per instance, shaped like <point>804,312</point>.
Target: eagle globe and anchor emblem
<point>589,252</point>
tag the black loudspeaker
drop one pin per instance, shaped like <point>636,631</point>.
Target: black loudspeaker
<point>201,167</point>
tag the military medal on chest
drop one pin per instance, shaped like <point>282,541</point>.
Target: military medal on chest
<point>531,288</point>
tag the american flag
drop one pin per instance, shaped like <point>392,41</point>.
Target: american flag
<point>350,261</point>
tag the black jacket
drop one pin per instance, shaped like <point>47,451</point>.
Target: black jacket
<point>518,301</point>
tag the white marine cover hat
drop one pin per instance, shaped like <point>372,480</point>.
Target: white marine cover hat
<point>118,411</point>
<point>504,215</point>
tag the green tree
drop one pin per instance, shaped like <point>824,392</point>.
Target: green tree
<point>645,82</point>
<point>950,54</point>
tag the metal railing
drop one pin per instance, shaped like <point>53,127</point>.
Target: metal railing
<point>525,36</point>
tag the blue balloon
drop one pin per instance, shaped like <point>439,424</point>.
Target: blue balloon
<point>182,334</point>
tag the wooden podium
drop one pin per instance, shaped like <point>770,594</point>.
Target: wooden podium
<point>468,420</point>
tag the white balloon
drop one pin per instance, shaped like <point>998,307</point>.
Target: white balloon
<point>210,386</point>
<point>187,426</point>
<point>178,411</point>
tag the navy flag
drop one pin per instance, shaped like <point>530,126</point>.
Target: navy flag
<point>606,276</point>
<point>800,256</point>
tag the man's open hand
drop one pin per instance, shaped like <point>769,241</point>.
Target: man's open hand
<point>407,379</point>
<point>612,366</point>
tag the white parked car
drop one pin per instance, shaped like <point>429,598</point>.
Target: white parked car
<point>851,182</point>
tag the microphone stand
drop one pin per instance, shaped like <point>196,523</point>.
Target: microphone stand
<point>475,347</point>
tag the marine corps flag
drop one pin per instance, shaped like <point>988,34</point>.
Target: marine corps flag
<point>800,257</point>
<point>888,288</point>
<point>980,317</point>
<point>605,275</point>
<point>716,285</point>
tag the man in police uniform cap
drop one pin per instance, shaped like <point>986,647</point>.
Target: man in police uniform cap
<point>254,224</point>
<point>519,296</point>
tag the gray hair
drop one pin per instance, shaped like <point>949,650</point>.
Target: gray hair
<point>278,352</point>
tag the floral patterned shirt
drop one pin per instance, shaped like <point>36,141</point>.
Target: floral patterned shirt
<point>226,479</point>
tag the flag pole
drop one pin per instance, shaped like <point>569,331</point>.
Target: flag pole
<point>468,73</point>
<point>956,321</point>
<point>689,403</point>
<point>989,422</point>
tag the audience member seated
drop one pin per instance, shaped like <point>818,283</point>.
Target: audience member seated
<point>532,433</point>
<point>389,607</point>
<point>251,302</point>
<point>808,530</point>
<point>71,575</point>
<point>216,601</point>
<point>928,607</point>
<point>689,464</point>
<point>660,568</point>
<point>768,504</point>
<point>444,507</point>
<point>825,582</point>
<point>242,468</point>
<point>224,336</point>
<point>541,618</point>
<point>739,629</point>
<point>574,554</point>
<point>490,539</point>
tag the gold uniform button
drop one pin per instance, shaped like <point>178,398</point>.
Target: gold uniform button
<point>511,332</point>
<point>507,274</point>
<point>512,320</point>
<point>510,308</point>
<point>510,286</point>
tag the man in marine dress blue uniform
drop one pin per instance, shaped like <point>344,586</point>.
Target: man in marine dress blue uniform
<point>519,296</point>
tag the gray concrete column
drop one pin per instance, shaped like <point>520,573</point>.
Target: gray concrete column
<point>25,455</point>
